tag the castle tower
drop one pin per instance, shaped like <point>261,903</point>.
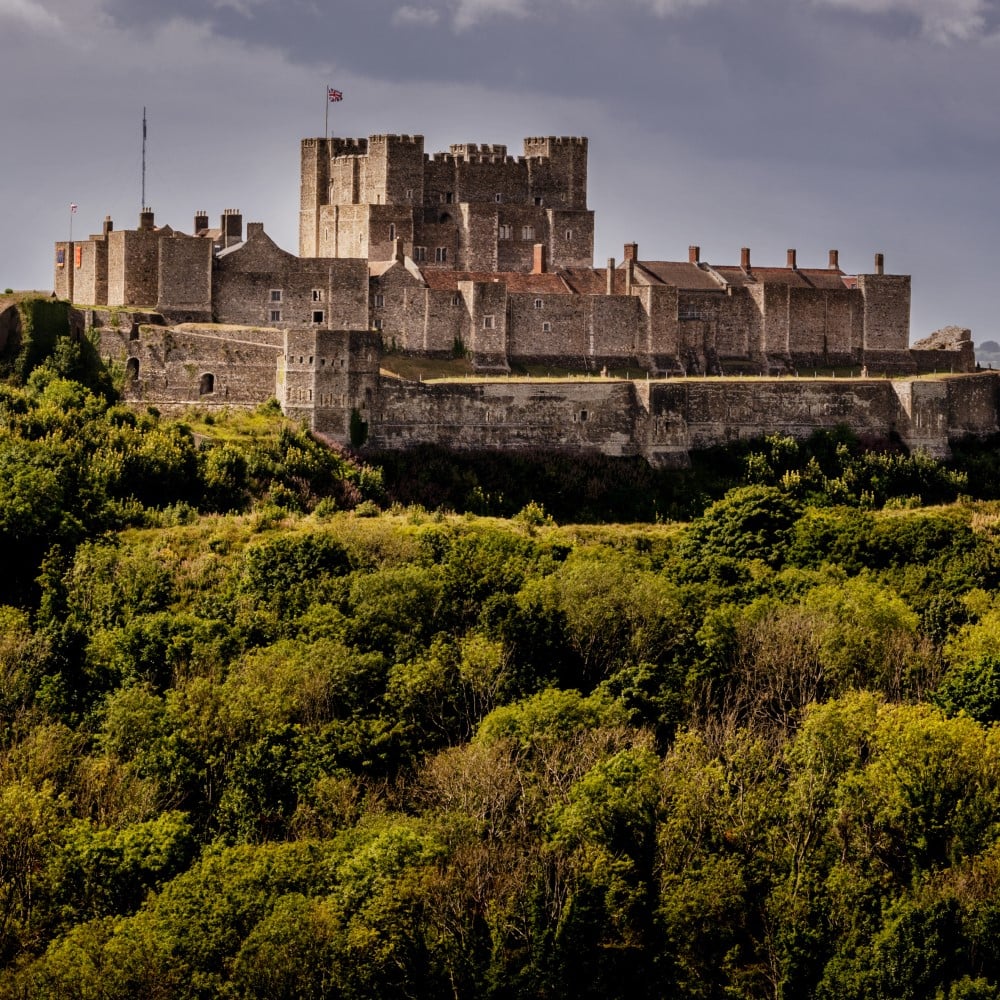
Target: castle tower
<point>557,170</point>
<point>314,191</point>
<point>473,208</point>
<point>329,379</point>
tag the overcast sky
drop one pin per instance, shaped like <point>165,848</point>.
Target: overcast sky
<point>862,125</point>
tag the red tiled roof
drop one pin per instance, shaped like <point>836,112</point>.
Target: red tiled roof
<point>516,281</point>
<point>592,281</point>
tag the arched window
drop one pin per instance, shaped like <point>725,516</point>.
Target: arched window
<point>392,230</point>
<point>132,368</point>
<point>206,384</point>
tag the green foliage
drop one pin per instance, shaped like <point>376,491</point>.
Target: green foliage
<point>252,744</point>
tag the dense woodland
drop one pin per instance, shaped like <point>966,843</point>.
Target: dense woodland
<point>273,727</point>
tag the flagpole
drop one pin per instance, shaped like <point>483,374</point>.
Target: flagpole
<point>326,116</point>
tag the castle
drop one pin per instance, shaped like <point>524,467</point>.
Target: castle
<point>481,254</point>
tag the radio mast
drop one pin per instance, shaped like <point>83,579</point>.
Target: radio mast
<point>142,206</point>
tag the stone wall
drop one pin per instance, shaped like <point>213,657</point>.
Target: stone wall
<point>185,278</point>
<point>258,280</point>
<point>886,311</point>
<point>595,415</point>
<point>133,267</point>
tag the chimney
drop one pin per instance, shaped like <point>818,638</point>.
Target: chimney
<point>694,255</point>
<point>200,221</point>
<point>834,260</point>
<point>629,273</point>
<point>745,258</point>
<point>880,263</point>
<point>397,249</point>
<point>611,276</point>
<point>792,266</point>
<point>146,220</point>
<point>231,225</point>
<point>538,266</point>
<point>631,251</point>
<point>108,225</point>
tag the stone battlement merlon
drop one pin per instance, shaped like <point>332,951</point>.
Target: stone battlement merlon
<point>399,140</point>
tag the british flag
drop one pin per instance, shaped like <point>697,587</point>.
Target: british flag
<point>334,95</point>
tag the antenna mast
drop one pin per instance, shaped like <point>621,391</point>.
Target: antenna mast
<point>143,205</point>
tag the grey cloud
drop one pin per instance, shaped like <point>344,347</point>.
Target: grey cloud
<point>420,16</point>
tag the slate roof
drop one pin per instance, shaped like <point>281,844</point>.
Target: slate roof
<point>795,278</point>
<point>681,274</point>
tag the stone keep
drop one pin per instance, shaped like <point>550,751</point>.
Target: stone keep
<point>473,208</point>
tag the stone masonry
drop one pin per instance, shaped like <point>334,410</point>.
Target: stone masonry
<point>480,254</point>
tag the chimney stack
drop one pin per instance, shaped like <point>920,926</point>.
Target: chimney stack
<point>200,221</point>
<point>792,265</point>
<point>694,255</point>
<point>629,274</point>
<point>611,276</point>
<point>397,250</point>
<point>108,225</point>
<point>880,263</point>
<point>538,265</point>
<point>231,225</point>
<point>146,217</point>
<point>834,260</point>
<point>745,258</point>
<point>631,251</point>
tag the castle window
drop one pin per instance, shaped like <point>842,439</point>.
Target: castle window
<point>317,295</point>
<point>420,254</point>
<point>489,322</point>
<point>379,301</point>
<point>408,194</point>
<point>538,303</point>
<point>392,230</point>
<point>441,255</point>
<point>275,315</point>
<point>527,232</point>
<point>318,316</point>
<point>132,368</point>
<point>456,300</point>
<point>538,200</point>
<point>498,197</point>
<point>569,235</point>
<point>377,324</point>
<point>206,384</point>
<point>546,328</point>
<point>506,232</point>
<point>275,294</point>
<point>583,416</point>
<point>449,197</point>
